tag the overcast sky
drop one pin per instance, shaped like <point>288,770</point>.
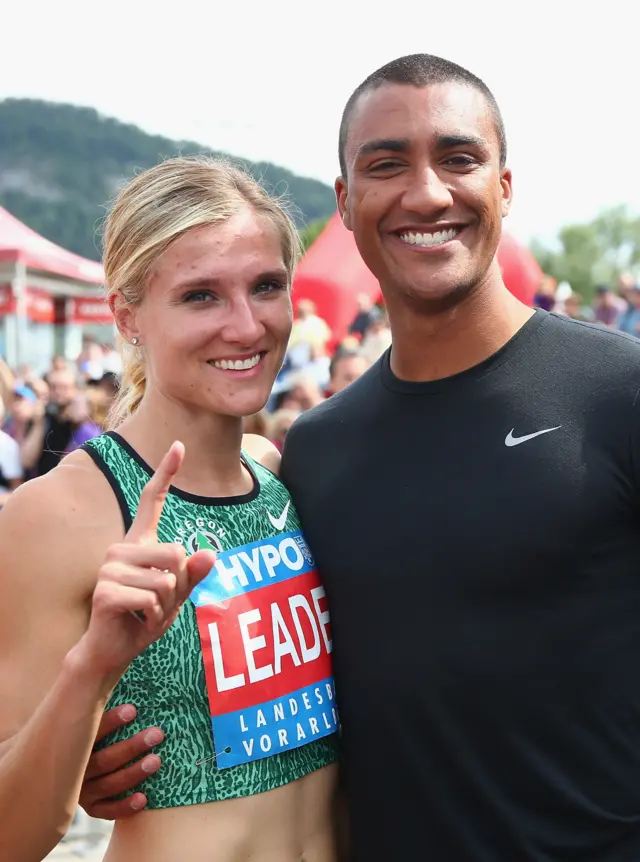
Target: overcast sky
<point>268,81</point>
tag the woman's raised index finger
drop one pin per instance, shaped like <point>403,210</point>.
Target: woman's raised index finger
<point>145,524</point>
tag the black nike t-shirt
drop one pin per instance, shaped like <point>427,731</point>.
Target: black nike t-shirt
<point>479,541</point>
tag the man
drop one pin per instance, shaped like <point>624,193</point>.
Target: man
<point>52,428</point>
<point>607,307</point>
<point>472,502</point>
<point>346,367</point>
<point>367,314</point>
<point>629,320</point>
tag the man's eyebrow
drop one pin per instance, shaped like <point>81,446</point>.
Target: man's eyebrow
<point>394,145</point>
<point>448,142</point>
<point>403,145</point>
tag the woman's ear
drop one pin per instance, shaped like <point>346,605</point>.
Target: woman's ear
<point>125,318</point>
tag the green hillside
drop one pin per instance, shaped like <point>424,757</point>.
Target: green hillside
<point>60,164</point>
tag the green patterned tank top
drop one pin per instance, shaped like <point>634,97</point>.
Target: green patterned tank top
<point>242,682</point>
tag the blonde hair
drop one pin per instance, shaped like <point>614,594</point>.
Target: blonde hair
<point>154,209</point>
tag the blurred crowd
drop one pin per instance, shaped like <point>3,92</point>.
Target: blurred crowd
<point>46,415</point>
<point>615,308</point>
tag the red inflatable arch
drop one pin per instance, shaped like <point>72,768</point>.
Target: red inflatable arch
<point>332,274</point>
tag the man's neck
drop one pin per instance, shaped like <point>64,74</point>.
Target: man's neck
<point>434,346</point>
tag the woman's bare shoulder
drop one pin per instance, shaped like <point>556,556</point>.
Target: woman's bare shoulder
<point>263,451</point>
<point>73,492</point>
<point>65,519</point>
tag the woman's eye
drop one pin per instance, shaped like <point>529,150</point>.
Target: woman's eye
<point>270,287</point>
<point>198,296</point>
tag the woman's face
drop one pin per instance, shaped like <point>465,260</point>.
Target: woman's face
<point>216,316</point>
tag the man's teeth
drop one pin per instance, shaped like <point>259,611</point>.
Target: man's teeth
<point>428,240</point>
<point>236,364</point>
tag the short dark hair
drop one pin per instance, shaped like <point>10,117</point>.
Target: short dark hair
<point>420,70</point>
<point>337,358</point>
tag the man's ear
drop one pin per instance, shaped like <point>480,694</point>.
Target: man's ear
<point>342,199</point>
<point>507,191</point>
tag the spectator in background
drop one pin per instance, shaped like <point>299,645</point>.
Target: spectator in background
<point>345,368</point>
<point>376,340</point>
<point>111,360</point>
<point>279,424</point>
<point>606,306</point>
<point>59,363</point>
<point>629,320</point>
<point>90,362</point>
<point>367,313</point>
<point>545,297</point>
<point>309,331</point>
<point>318,365</point>
<point>51,431</point>
<point>20,413</point>
<point>7,381</point>
<point>626,283</point>
<point>40,387</point>
<point>302,394</point>
<point>83,428</point>
<point>573,308</point>
<point>10,463</point>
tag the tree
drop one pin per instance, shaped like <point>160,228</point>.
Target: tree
<point>595,252</point>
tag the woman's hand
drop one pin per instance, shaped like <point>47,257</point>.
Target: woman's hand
<point>142,583</point>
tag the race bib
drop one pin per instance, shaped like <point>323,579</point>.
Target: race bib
<point>266,643</point>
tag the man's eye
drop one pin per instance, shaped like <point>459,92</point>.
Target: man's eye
<point>461,161</point>
<point>387,165</point>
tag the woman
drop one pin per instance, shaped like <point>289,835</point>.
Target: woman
<point>108,568</point>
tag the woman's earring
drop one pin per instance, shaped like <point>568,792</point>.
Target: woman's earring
<point>134,341</point>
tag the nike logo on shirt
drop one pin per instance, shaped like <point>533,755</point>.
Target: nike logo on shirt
<point>279,523</point>
<point>510,440</point>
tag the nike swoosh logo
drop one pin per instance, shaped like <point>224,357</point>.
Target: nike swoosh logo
<point>510,440</point>
<point>279,523</point>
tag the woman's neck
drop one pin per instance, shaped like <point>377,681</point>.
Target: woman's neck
<point>212,465</point>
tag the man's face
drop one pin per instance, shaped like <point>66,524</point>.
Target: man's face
<point>62,388</point>
<point>425,194</point>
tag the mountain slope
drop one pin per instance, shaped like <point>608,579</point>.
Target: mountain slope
<point>60,165</point>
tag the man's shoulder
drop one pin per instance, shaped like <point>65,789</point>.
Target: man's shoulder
<point>594,349</point>
<point>594,334</point>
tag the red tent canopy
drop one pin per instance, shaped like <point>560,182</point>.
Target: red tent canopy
<point>333,274</point>
<point>20,244</point>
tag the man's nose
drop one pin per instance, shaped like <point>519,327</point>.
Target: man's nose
<point>427,194</point>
